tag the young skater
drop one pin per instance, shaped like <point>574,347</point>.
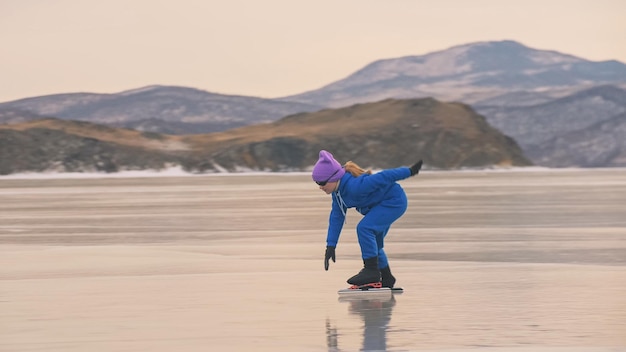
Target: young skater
<point>376,196</point>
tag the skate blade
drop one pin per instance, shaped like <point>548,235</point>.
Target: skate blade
<point>397,290</point>
<point>385,291</point>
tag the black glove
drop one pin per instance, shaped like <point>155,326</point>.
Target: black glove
<point>330,254</point>
<point>415,169</point>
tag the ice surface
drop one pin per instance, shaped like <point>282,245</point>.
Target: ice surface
<point>523,260</point>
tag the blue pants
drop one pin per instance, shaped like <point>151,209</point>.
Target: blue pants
<point>373,228</point>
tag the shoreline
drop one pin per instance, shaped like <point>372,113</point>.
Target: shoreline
<point>179,172</point>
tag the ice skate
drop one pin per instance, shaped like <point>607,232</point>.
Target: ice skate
<point>369,274</point>
<point>388,279</point>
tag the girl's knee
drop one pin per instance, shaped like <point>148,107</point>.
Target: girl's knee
<point>363,228</point>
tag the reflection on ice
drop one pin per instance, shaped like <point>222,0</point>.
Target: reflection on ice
<point>375,314</point>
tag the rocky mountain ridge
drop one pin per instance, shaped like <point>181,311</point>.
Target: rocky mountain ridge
<point>568,132</point>
<point>600,145</point>
<point>469,73</point>
<point>386,134</point>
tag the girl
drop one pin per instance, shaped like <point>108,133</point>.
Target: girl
<point>376,196</point>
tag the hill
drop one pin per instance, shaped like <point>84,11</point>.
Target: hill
<point>378,135</point>
<point>52,145</point>
<point>386,134</point>
<point>162,109</point>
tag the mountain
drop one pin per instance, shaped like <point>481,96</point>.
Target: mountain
<point>535,96</point>
<point>499,73</point>
<point>601,145</point>
<point>386,134</point>
<point>535,124</point>
<point>468,73</point>
<point>173,110</point>
<point>570,131</point>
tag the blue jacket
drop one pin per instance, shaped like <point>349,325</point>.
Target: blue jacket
<point>362,193</point>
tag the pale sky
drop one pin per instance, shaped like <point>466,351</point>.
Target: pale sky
<point>270,48</point>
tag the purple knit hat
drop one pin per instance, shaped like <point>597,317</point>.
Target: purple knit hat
<point>327,168</point>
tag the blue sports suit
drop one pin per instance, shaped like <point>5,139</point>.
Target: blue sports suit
<point>379,198</point>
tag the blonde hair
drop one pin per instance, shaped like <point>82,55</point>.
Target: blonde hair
<point>355,169</point>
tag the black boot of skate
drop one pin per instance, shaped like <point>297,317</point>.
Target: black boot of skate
<point>387,278</point>
<point>369,274</point>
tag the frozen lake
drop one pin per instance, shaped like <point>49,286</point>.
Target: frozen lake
<point>526,260</point>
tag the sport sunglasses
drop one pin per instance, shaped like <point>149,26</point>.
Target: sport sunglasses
<point>323,183</point>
